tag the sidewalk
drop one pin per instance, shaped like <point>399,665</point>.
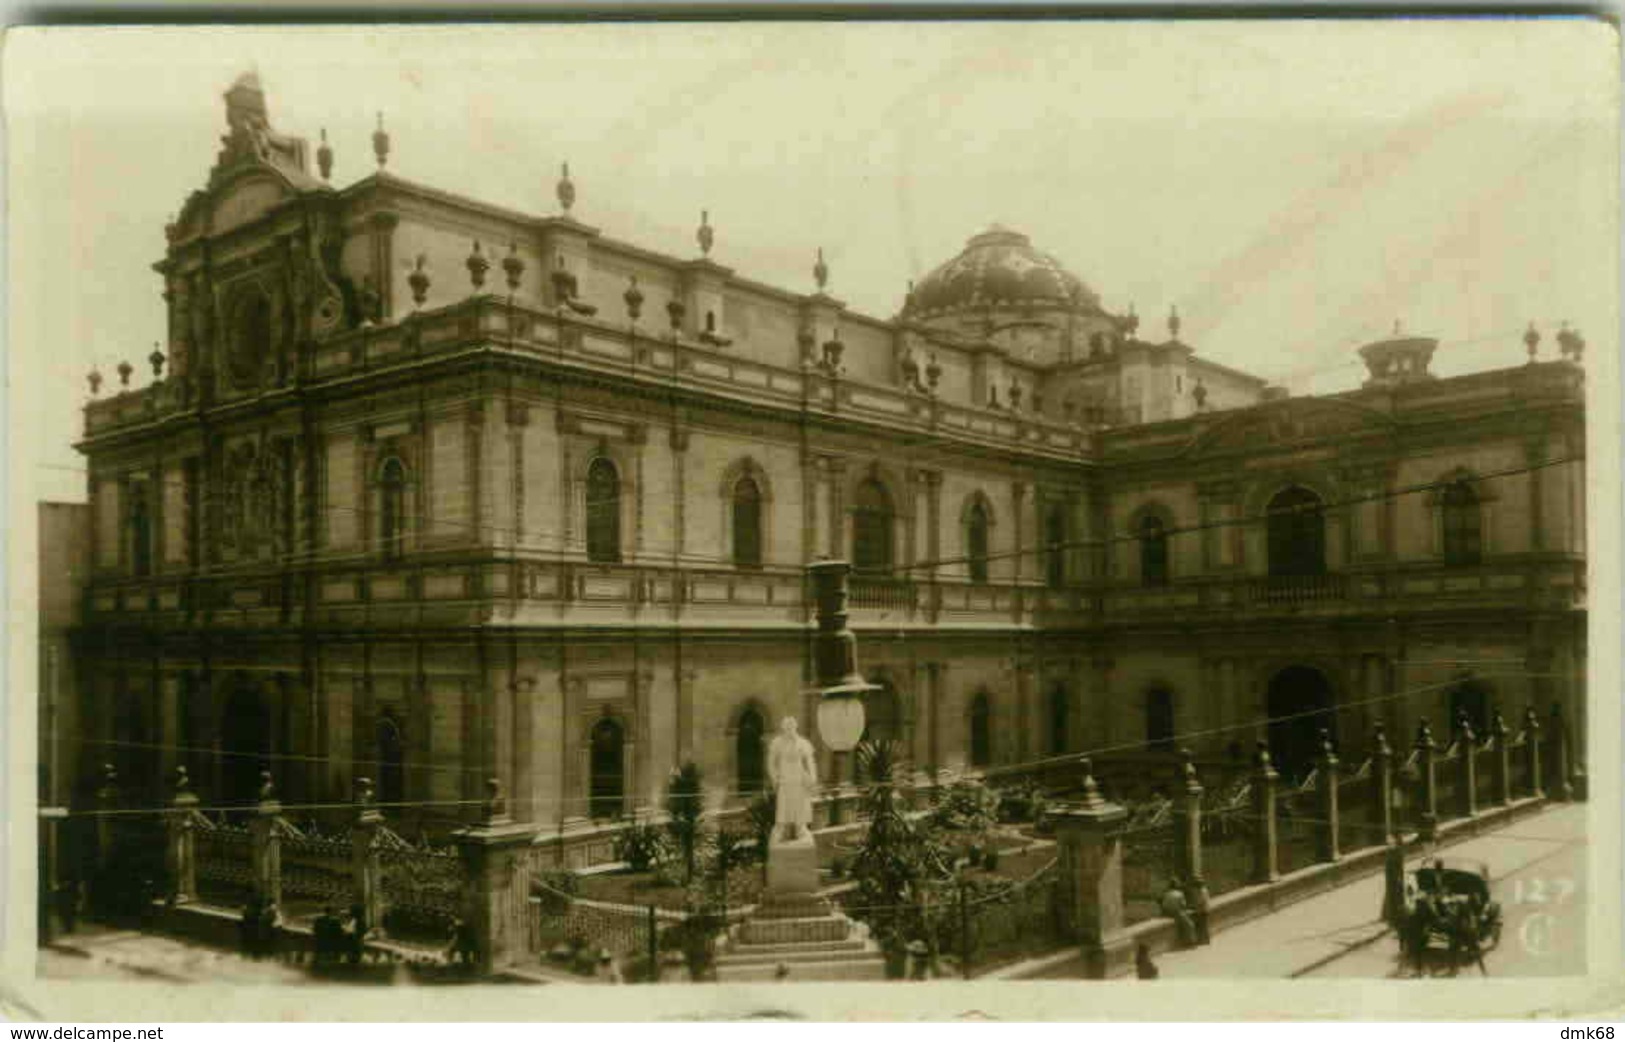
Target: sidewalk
<point>1307,935</point>
<point>1311,933</point>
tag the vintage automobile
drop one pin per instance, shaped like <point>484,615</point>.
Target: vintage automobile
<point>1448,900</point>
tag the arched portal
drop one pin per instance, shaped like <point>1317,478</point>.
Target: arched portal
<point>1471,699</point>
<point>245,741</point>
<point>1159,718</point>
<point>608,769</point>
<point>748,754</point>
<point>981,730</point>
<point>1300,704</point>
<point>391,762</point>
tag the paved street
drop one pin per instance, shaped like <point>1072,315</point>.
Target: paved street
<point>1538,873</point>
<point>100,953</point>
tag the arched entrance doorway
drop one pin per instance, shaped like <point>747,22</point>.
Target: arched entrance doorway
<point>1471,699</point>
<point>882,720</point>
<point>1299,705</point>
<point>245,741</point>
<point>608,770</point>
<point>749,753</point>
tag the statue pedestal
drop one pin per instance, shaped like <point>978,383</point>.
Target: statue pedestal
<point>792,866</point>
<point>795,934</point>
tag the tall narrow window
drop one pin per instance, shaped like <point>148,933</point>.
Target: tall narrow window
<point>391,761</point>
<point>603,512</point>
<point>749,754</point>
<point>1055,539</point>
<point>1153,552</point>
<point>1159,718</point>
<point>976,542</point>
<point>981,730</point>
<point>1463,525</point>
<point>747,519</point>
<point>392,508</point>
<point>1060,713</point>
<point>608,782</point>
<point>1297,533</point>
<point>872,529</point>
<point>140,533</point>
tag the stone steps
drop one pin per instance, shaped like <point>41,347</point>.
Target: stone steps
<point>857,969</point>
<point>751,957</point>
<point>850,944</point>
<point>792,930</point>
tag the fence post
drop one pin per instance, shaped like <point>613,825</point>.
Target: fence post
<point>1466,768</point>
<point>181,846</point>
<point>1531,753</point>
<point>490,853</point>
<point>267,845</point>
<point>1427,809</point>
<point>52,893</point>
<point>964,931</point>
<point>1326,846</point>
<point>1382,782</point>
<point>366,862</point>
<point>1264,837</point>
<point>1502,763</point>
<point>106,803</point>
<point>654,945</point>
<point>1188,842</point>
<point>1091,841</point>
<point>1559,785</point>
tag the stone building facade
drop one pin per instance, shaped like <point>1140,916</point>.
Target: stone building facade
<point>431,491</point>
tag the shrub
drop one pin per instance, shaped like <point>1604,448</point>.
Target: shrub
<point>641,845</point>
<point>685,803</point>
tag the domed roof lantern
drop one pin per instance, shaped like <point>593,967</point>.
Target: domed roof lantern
<point>1398,360</point>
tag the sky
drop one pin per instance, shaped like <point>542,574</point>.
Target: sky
<point>1295,188</point>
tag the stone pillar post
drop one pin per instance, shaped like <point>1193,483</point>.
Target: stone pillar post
<point>265,836</point>
<point>366,865</point>
<point>1326,845</point>
<point>1427,810</point>
<point>1559,784</point>
<point>1533,779</point>
<point>1501,764</point>
<point>1466,768</point>
<point>1187,796</point>
<point>1264,836</point>
<point>54,920</point>
<point>106,803</point>
<point>181,849</point>
<point>496,893</point>
<point>1382,783</point>
<point>1092,879</point>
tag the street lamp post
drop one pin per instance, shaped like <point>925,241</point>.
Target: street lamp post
<point>839,685</point>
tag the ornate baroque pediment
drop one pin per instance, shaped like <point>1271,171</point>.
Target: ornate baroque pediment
<point>1291,422</point>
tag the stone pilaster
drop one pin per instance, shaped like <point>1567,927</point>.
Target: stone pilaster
<point>496,886</point>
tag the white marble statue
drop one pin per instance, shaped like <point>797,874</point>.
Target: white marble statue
<point>793,769</point>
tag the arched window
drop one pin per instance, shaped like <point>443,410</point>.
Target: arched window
<point>976,540</point>
<point>1469,699</point>
<point>245,740</point>
<point>251,344</point>
<point>607,768</point>
<point>747,523</point>
<point>1159,718</point>
<point>391,761</point>
<point>1060,714</point>
<point>603,512</point>
<point>872,528</point>
<point>981,730</point>
<point>749,755</point>
<point>1153,551</point>
<point>1463,524</point>
<point>392,507</point>
<point>1055,539</point>
<point>140,533</point>
<point>1297,533</point>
